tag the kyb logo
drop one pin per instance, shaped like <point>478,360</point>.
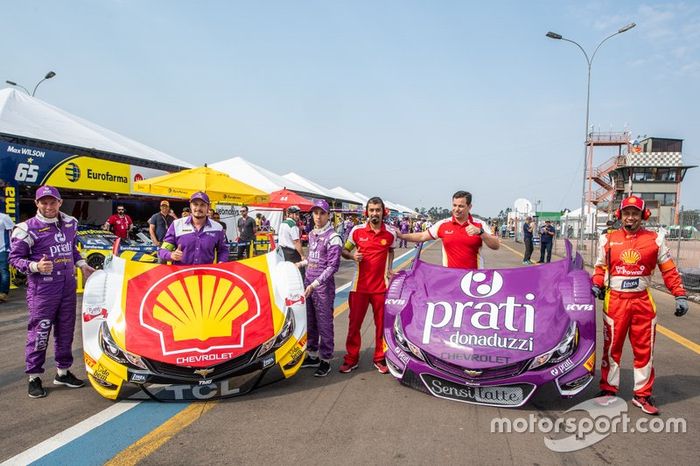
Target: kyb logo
<point>474,284</point>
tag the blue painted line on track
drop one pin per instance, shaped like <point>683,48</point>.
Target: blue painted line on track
<point>102,443</point>
<point>105,441</point>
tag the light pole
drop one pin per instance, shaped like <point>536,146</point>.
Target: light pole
<point>12,83</point>
<point>49,75</point>
<point>589,61</point>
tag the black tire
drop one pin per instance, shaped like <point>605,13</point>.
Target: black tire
<point>96,261</point>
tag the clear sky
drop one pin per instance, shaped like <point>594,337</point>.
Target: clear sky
<point>409,100</point>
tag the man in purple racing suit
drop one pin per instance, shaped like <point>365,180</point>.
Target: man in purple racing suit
<point>45,249</point>
<point>325,246</point>
<point>195,239</point>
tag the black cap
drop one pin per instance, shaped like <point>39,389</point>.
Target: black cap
<point>293,210</point>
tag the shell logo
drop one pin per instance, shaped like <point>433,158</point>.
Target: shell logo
<point>632,200</point>
<point>630,256</point>
<point>200,309</point>
<point>383,242</point>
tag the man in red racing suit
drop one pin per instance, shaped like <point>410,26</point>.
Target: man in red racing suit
<point>626,261</point>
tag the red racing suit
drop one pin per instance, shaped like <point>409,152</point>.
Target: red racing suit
<point>625,265</point>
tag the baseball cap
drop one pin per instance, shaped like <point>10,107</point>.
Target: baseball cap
<point>164,202</point>
<point>632,201</point>
<point>293,209</point>
<point>201,196</point>
<point>321,204</point>
<point>49,191</point>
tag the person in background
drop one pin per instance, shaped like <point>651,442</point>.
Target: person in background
<point>6,226</point>
<point>404,228</point>
<point>347,227</point>
<point>528,229</point>
<point>185,212</point>
<point>120,223</point>
<point>289,237</point>
<point>547,233</point>
<point>159,222</point>
<point>216,216</point>
<point>246,233</point>
<point>45,248</point>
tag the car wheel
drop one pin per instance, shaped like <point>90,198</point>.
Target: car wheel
<point>96,261</point>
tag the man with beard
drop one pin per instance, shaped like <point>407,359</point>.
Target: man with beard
<point>45,249</point>
<point>120,222</point>
<point>374,256</point>
<point>626,261</point>
<point>462,237</point>
<point>322,264</point>
<point>195,239</point>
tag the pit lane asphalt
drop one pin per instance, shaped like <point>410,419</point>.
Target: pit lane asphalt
<point>362,417</point>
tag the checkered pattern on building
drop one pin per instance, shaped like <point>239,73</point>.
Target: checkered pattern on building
<point>655,159</point>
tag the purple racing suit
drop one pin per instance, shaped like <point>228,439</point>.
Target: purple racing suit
<point>204,246</point>
<point>404,228</point>
<point>51,298</point>
<point>325,246</point>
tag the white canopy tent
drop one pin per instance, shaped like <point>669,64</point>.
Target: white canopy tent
<point>392,206</point>
<point>257,176</point>
<point>363,199</point>
<point>343,193</point>
<point>388,204</point>
<point>26,116</point>
<point>311,185</point>
<point>407,210</point>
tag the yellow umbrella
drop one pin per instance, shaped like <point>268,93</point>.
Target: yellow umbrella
<point>218,185</point>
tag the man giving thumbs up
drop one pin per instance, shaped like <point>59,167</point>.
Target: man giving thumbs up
<point>45,249</point>
<point>461,236</point>
<point>195,239</point>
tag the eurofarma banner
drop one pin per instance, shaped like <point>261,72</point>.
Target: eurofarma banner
<point>25,165</point>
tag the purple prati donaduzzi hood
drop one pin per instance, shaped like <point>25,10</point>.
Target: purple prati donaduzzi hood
<point>483,318</point>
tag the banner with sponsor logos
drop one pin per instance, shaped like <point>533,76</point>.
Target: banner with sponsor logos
<point>8,202</point>
<point>32,166</point>
<point>87,173</point>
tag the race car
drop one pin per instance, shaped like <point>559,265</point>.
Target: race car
<point>491,336</point>
<point>193,332</point>
<point>96,245</point>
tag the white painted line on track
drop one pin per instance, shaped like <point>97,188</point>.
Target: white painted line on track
<point>59,440</point>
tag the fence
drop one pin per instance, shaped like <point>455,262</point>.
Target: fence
<point>685,249</point>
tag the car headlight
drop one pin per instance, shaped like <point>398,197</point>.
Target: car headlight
<point>282,337</point>
<point>405,342</point>
<point>563,350</point>
<point>113,351</point>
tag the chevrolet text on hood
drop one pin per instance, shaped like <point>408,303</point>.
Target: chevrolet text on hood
<point>483,315</point>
